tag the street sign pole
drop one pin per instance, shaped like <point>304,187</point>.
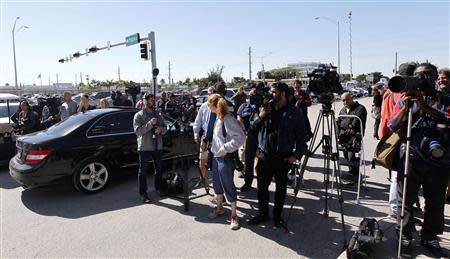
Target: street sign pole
<point>151,37</point>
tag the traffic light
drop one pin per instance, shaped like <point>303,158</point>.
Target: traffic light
<point>144,50</point>
<point>61,60</point>
<point>76,54</point>
<point>93,49</point>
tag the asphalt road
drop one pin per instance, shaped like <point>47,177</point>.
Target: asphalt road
<point>60,222</point>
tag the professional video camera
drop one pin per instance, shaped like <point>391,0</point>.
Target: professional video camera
<point>261,96</point>
<point>133,89</point>
<point>369,233</point>
<point>350,140</point>
<point>324,81</point>
<point>421,81</point>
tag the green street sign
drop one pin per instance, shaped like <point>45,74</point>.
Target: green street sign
<point>132,39</point>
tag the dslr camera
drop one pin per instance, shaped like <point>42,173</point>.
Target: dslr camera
<point>420,81</point>
<point>350,140</point>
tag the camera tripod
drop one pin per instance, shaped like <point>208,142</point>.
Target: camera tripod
<point>327,122</point>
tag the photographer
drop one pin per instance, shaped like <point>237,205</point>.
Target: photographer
<point>172,108</point>
<point>350,135</point>
<point>281,142</point>
<point>161,103</point>
<point>429,161</point>
<point>149,127</point>
<point>443,83</point>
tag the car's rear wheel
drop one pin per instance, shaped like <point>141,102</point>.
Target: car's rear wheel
<point>91,176</point>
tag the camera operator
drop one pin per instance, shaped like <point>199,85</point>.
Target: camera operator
<point>281,142</point>
<point>149,127</point>
<point>172,108</point>
<point>350,135</point>
<point>429,158</point>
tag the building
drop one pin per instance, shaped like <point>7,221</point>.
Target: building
<point>305,67</point>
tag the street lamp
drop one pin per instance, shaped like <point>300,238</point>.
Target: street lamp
<point>14,46</point>
<point>338,39</point>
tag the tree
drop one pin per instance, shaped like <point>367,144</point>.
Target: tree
<point>162,81</point>
<point>215,75</point>
<point>238,81</point>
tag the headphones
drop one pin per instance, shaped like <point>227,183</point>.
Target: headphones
<point>145,98</point>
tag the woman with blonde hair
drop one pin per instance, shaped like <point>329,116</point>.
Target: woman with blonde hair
<point>228,136</point>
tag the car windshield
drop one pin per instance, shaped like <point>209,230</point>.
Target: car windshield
<point>4,110</point>
<point>63,128</point>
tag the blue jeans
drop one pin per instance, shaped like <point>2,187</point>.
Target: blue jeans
<point>223,177</point>
<point>144,160</point>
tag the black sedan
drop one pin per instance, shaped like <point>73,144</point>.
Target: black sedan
<point>88,148</point>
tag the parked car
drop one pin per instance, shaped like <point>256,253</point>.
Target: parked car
<point>229,93</point>
<point>88,148</point>
<point>92,101</point>
<point>9,104</point>
<point>100,95</point>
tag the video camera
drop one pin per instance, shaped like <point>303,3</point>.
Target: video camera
<point>261,96</point>
<point>324,81</point>
<point>421,82</point>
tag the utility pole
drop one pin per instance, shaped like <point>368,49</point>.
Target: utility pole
<point>395,68</point>
<point>249,63</point>
<point>170,78</point>
<point>76,83</point>
<point>350,31</point>
<point>118,72</point>
<point>57,81</point>
<point>81,78</point>
<point>49,84</point>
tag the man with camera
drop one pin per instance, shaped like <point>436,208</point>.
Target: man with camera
<point>429,160</point>
<point>281,142</point>
<point>350,135</point>
<point>149,127</point>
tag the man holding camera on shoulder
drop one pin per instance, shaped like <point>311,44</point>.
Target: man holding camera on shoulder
<point>281,142</point>
<point>429,160</point>
<point>350,135</point>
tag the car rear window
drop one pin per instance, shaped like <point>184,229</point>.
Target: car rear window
<point>63,128</point>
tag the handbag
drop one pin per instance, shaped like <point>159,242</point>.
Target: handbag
<point>386,151</point>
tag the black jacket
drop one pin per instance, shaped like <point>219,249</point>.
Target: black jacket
<point>358,110</point>
<point>290,136</point>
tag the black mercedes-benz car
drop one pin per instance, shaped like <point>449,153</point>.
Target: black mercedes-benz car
<point>89,147</point>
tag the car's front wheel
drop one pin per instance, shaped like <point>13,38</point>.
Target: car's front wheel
<point>91,176</point>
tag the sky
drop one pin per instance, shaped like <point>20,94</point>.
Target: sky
<point>195,36</point>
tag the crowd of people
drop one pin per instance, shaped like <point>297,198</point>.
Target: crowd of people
<point>271,124</point>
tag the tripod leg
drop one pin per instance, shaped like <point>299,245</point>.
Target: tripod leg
<point>339,180</point>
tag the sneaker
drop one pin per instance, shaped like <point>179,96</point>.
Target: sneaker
<point>216,212</point>
<point>234,223</point>
<point>246,187</point>
<point>434,247</point>
<point>145,198</point>
<point>256,220</point>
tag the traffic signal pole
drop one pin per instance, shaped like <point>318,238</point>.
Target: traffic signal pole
<point>135,39</point>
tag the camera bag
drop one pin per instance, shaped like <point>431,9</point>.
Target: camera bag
<point>386,151</point>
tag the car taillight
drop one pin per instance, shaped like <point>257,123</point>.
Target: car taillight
<point>35,157</point>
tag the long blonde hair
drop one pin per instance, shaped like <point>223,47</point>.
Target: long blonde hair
<point>220,104</point>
